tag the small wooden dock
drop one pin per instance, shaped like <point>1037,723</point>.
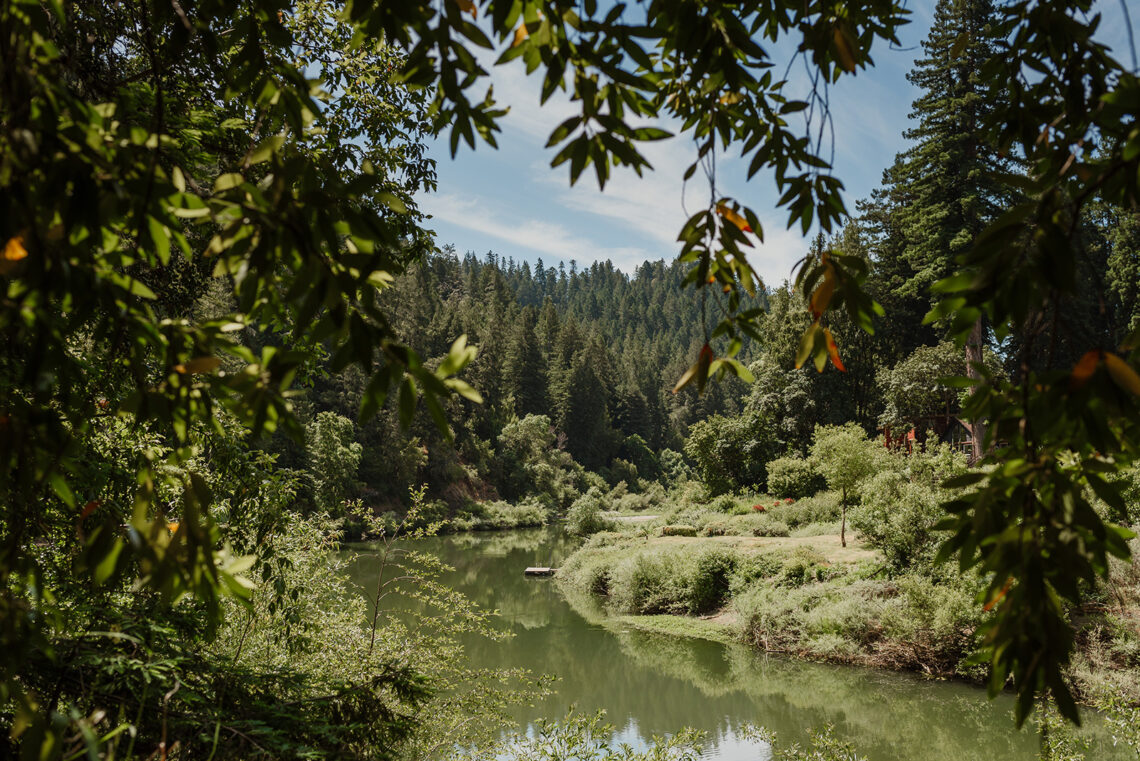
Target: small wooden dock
<point>539,571</point>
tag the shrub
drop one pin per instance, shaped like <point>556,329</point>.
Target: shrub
<point>648,583</point>
<point>709,584</point>
<point>679,529</point>
<point>588,570</point>
<point>585,515</point>
<point>770,527</point>
<point>794,477</point>
<point>717,528</point>
<point>725,503</point>
<point>334,457</point>
<point>622,471</point>
<point>597,579</point>
<point>489,516</point>
<point>651,498</point>
<point>898,517</point>
<point>729,453</point>
<point>816,529</point>
<point>821,508</point>
<point>690,516</point>
<point>605,539</point>
<point>691,493</point>
<point>651,581</point>
<point>751,567</point>
<point>804,564</point>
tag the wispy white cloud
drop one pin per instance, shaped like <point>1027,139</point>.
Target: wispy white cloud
<point>638,218</point>
<point>531,236</point>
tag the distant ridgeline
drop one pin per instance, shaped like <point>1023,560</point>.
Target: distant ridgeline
<point>594,350</point>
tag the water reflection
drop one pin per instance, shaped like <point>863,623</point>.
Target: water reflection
<point>650,684</point>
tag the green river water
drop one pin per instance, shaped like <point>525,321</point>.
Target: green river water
<point>651,684</point>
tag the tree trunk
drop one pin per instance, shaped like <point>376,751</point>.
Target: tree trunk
<point>843,524</point>
<point>974,356</point>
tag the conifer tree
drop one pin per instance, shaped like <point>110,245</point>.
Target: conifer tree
<point>942,191</point>
<point>524,369</point>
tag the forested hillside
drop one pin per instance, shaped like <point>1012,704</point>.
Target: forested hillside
<point>596,352</point>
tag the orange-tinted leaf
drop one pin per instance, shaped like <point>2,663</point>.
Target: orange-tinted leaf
<point>807,343</point>
<point>469,7</point>
<point>732,97</point>
<point>89,508</point>
<point>172,527</point>
<point>14,249</point>
<point>833,350</point>
<point>704,359</point>
<point>733,217</point>
<point>1122,373</point>
<point>821,296</point>
<point>520,35</point>
<point>999,596</point>
<point>198,365</point>
<point>1084,369</point>
<point>698,372</point>
<point>844,50</point>
<point>686,378</point>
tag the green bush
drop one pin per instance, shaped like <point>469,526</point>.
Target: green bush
<point>770,527</point>
<point>648,583</point>
<point>621,471</point>
<point>718,528</point>
<point>709,585</point>
<point>690,493</point>
<point>673,468</point>
<point>802,565</point>
<point>491,516</point>
<point>650,499</point>
<point>652,581</point>
<point>690,515</point>
<point>596,579</point>
<point>334,457</point>
<point>585,515</point>
<point>897,516</point>
<point>604,539</point>
<point>729,453</point>
<point>794,477</point>
<point>816,529</point>
<point>821,508</point>
<point>750,568</point>
<point>725,503</point>
<point>679,530</point>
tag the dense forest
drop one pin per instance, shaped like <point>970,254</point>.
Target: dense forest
<point>595,352</point>
<point>231,343</point>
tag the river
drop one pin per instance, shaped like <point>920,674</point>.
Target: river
<point>652,684</point>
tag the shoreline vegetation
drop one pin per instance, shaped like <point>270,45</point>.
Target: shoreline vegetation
<point>773,572</point>
<point>780,580</point>
<point>838,571</point>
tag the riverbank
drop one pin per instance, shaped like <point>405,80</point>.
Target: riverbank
<point>810,598</point>
<point>651,681</point>
<point>803,596</point>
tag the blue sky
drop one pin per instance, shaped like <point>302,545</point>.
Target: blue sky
<point>510,201</point>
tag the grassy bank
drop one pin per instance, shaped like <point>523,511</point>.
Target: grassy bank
<point>805,596</point>
<point>780,581</point>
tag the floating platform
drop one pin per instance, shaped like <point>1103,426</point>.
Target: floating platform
<point>539,571</point>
